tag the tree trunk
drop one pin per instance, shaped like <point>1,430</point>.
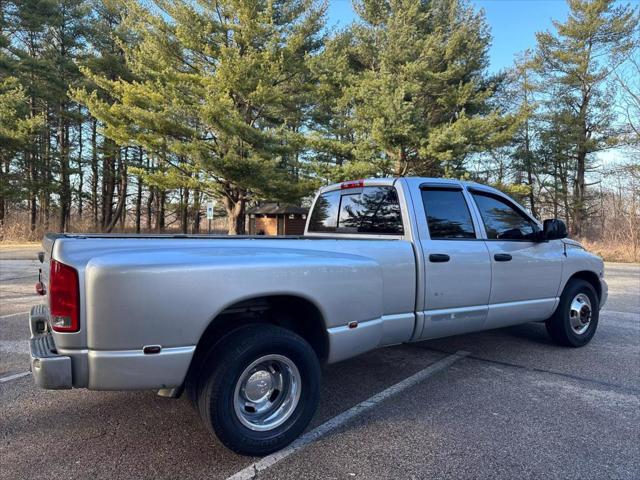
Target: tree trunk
<point>108,180</point>
<point>65,186</point>
<point>33,208</point>
<point>562,172</point>
<point>94,173</point>
<point>529,167</point>
<point>122,195</point>
<point>401,166</point>
<point>555,189</point>
<point>122,186</point>
<point>197,199</point>
<point>139,193</point>
<point>151,199</point>
<point>184,213</point>
<point>150,202</point>
<point>234,204</point>
<point>48,175</point>
<point>161,197</point>
<point>31,173</point>
<point>138,205</point>
<point>80,166</point>
<point>579,196</point>
<point>4,181</point>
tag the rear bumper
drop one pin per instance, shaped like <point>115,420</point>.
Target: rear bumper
<point>49,370</point>
<point>54,369</point>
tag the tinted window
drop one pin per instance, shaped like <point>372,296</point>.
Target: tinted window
<point>324,217</point>
<point>447,214</point>
<point>373,210</point>
<point>503,221</point>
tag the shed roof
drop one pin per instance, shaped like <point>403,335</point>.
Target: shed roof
<point>272,208</point>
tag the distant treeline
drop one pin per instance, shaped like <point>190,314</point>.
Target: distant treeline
<point>129,114</point>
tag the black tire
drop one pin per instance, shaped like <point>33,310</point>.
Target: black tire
<point>222,369</point>
<point>559,325</point>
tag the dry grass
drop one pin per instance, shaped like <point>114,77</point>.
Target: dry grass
<point>15,229</point>
<point>613,251</point>
<point>14,246</point>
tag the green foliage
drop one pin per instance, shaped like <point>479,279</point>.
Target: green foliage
<point>404,91</point>
<point>576,62</point>
<point>216,93</point>
<point>247,100</point>
<point>17,129</point>
<point>16,126</point>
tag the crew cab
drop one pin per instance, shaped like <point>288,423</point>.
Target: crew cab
<point>243,324</point>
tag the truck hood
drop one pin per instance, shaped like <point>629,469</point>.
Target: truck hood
<point>572,242</point>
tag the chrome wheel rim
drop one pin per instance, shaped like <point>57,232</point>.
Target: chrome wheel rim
<point>580,313</point>
<point>267,392</point>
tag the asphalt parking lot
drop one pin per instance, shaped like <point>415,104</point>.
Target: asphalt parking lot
<point>514,406</point>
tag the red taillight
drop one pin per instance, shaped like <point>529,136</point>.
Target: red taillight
<point>353,184</point>
<point>64,298</point>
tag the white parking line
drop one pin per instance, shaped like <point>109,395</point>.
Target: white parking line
<point>15,376</point>
<point>13,315</point>
<point>252,470</point>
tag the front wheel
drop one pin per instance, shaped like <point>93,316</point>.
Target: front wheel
<point>575,321</point>
<point>259,389</point>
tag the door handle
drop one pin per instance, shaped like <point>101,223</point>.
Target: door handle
<point>502,257</point>
<point>438,257</point>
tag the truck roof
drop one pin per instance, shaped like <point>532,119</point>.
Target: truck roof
<point>388,181</point>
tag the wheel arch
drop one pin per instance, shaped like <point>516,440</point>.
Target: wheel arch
<point>589,277</point>
<point>293,312</point>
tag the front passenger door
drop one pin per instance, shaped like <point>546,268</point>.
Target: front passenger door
<point>525,272</point>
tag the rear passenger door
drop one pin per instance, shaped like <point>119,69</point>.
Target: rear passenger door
<point>525,271</point>
<point>456,263</point>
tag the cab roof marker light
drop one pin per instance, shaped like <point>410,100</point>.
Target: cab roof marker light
<point>352,184</point>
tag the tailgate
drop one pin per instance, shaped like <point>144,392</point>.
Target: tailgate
<point>47,247</point>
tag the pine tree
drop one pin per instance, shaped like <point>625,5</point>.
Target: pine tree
<point>65,37</point>
<point>217,84</point>
<point>576,63</point>
<point>17,130</point>
<point>522,88</point>
<point>104,40</point>
<point>418,96</point>
<point>24,56</point>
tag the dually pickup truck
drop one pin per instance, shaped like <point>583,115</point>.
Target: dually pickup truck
<point>243,324</point>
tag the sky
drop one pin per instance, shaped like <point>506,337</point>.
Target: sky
<point>513,23</point>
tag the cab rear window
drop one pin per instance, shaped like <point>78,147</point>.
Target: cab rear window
<point>368,210</point>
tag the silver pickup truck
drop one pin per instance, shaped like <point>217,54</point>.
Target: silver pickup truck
<point>243,324</point>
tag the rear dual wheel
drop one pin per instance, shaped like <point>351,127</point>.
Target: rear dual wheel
<point>259,388</point>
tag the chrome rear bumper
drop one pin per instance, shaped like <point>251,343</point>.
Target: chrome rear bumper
<point>49,369</point>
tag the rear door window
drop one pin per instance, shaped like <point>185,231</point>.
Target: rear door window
<point>370,210</point>
<point>448,215</point>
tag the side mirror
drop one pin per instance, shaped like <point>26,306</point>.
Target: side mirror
<point>554,229</point>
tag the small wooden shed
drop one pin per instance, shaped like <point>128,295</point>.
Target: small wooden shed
<point>276,219</point>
